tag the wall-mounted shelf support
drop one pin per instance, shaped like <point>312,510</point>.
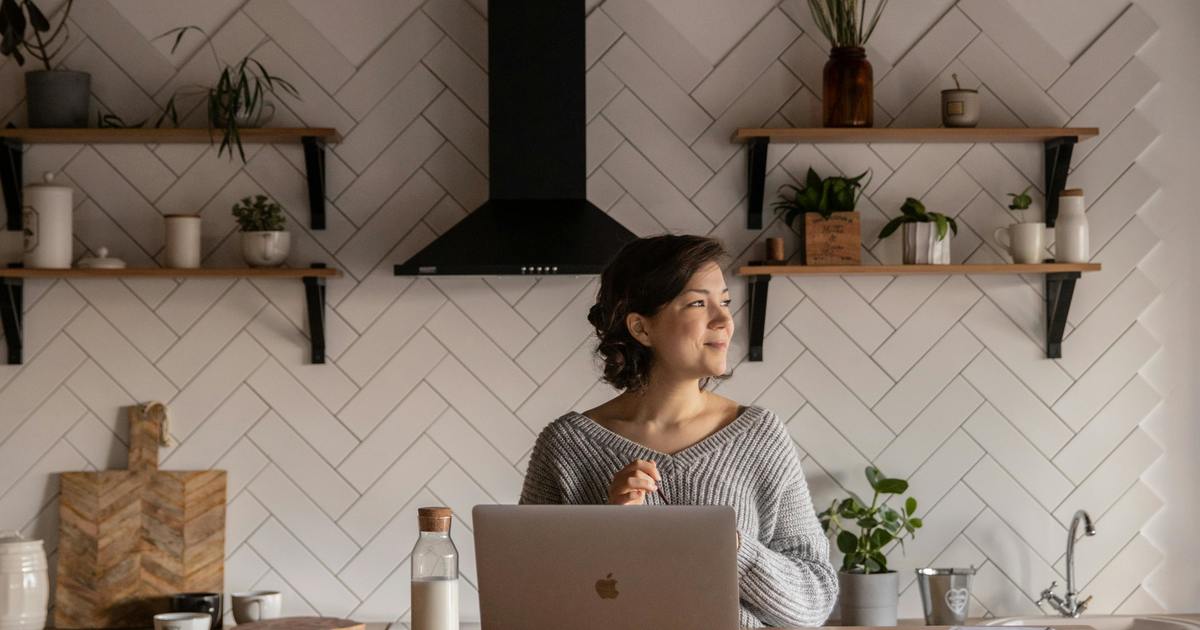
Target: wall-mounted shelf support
<point>314,292</point>
<point>12,305</point>
<point>1058,162</point>
<point>757,163</point>
<point>11,179</point>
<point>1060,288</point>
<point>314,167</point>
<point>758,314</point>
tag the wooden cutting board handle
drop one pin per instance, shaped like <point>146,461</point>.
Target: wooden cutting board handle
<point>303,623</point>
<point>145,436</point>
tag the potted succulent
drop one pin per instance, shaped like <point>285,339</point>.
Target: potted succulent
<point>1025,239</point>
<point>264,241</point>
<point>848,92</point>
<point>868,589</point>
<point>831,233</point>
<point>53,97</point>
<point>926,234</point>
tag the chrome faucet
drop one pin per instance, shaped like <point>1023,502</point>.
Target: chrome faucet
<point>1070,606</point>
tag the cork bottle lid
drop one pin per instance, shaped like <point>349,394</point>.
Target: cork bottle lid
<point>434,519</point>
<point>1072,192</point>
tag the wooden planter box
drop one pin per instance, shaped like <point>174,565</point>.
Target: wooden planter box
<point>833,241</point>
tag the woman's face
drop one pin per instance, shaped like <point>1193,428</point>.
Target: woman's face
<point>690,334</point>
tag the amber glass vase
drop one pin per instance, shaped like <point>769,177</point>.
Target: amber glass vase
<point>849,92</point>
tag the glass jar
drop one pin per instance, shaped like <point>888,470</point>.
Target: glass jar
<point>848,99</point>
<point>434,563</point>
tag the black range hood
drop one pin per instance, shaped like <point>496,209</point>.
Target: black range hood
<point>538,219</point>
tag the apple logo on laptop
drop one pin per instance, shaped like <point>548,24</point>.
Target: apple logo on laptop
<point>607,588</point>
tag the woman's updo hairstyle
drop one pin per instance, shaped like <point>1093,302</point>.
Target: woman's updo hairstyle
<point>643,277</point>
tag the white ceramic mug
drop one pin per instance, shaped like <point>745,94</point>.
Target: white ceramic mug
<point>1024,241</point>
<point>256,605</point>
<point>182,621</point>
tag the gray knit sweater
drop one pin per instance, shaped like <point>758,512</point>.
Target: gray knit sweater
<point>784,574</point>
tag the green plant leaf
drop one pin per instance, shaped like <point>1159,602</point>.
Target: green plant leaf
<point>915,522</point>
<point>880,538</point>
<point>868,523</point>
<point>37,19</point>
<point>910,506</point>
<point>846,542</point>
<point>811,179</point>
<point>874,477</point>
<point>943,226</point>
<point>892,486</point>
<point>891,226</point>
<point>953,225</point>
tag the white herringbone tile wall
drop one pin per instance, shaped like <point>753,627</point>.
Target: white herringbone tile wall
<point>436,389</point>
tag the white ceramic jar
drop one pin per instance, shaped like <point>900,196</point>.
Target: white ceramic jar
<point>182,241</point>
<point>1071,228</point>
<point>46,211</point>
<point>24,583</point>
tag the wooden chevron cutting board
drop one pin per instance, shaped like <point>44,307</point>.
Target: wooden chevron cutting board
<point>129,538</point>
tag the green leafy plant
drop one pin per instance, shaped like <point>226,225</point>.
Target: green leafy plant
<point>879,525</point>
<point>1020,201</point>
<point>259,214</point>
<point>239,94</point>
<point>844,22</point>
<point>913,211</point>
<point>822,196</point>
<point>46,44</point>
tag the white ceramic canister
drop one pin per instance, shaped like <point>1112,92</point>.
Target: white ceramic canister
<point>182,241</point>
<point>24,583</point>
<point>1071,228</point>
<point>47,210</point>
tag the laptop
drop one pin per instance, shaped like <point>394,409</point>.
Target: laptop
<point>605,567</point>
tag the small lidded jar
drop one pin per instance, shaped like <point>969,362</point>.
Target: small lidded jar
<point>434,563</point>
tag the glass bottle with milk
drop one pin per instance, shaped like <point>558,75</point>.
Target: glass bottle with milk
<point>434,573</point>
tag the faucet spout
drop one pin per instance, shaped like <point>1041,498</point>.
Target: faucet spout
<point>1069,605</point>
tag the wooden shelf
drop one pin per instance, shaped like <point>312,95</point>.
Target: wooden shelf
<point>901,270</point>
<point>1059,277</point>
<point>164,272</point>
<point>12,293</point>
<point>13,140</point>
<point>1057,142</point>
<point>916,135</point>
<point>165,136</point>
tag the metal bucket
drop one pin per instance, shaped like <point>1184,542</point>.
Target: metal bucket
<point>945,594</point>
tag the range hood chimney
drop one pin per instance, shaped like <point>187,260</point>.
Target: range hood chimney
<point>537,220</point>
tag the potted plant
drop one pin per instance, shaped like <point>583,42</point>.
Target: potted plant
<point>849,82</point>
<point>264,241</point>
<point>831,233</point>
<point>868,589</point>
<point>1025,239</point>
<point>926,234</point>
<point>53,98</point>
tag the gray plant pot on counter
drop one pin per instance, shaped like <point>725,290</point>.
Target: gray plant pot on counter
<point>57,98</point>
<point>868,599</point>
<point>922,247</point>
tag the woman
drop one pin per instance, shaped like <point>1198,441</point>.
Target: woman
<point>662,317</point>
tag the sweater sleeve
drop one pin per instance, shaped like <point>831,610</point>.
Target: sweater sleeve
<point>542,481</point>
<point>788,580</point>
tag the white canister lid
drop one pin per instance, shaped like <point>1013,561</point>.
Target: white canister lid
<point>101,261</point>
<point>47,182</point>
<point>11,541</point>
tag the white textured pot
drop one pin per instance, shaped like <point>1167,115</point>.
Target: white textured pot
<point>266,249</point>
<point>868,599</point>
<point>922,247</point>
<point>24,583</point>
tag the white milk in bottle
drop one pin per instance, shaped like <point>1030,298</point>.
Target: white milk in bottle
<point>434,573</point>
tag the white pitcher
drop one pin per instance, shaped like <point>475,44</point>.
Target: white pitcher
<point>1071,228</point>
<point>24,583</point>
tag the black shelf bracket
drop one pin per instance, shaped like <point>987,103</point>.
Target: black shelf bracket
<point>314,167</point>
<point>758,313</point>
<point>12,305</point>
<point>314,292</point>
<point>1060,288</point>
<point>1058,162</point>
<point>757,170</point>
<point>11,180</point>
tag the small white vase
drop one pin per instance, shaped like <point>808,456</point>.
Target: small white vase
<point>182,241</point>
<point>1071,228</point>
<point>266,249</point>
<point>24,583</point>
<point>922,246</point>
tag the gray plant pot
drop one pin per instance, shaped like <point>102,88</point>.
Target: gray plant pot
<point>868,599</point>
<point>57,98</point>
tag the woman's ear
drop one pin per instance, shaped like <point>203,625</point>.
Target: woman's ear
<point>637,326</point>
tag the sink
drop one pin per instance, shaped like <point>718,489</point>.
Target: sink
<point>1103,622</point>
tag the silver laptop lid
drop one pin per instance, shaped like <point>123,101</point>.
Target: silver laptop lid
<point>544,567</point>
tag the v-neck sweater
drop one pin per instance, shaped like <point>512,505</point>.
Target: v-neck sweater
<point>784,574</point>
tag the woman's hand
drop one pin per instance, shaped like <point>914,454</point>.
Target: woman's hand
<point>630,485</point>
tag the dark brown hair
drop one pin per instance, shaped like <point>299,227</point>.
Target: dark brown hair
<point>643,277</point>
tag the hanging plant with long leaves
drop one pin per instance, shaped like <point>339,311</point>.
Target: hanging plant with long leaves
<point>844,22</point>
<point>45,45</point>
